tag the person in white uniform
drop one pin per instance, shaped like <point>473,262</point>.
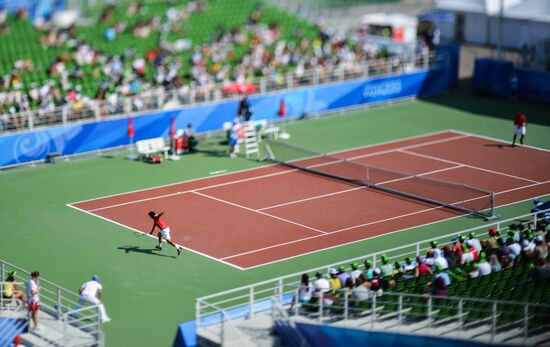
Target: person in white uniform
<point>91,292</point>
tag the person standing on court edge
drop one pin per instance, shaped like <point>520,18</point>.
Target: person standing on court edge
<point>244,112</point>
<point>520,122</point>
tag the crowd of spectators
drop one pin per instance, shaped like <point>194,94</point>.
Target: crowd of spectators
<point>464,257</point>
<point>84,76</point>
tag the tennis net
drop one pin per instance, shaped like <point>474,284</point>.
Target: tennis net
<point>457,196</point>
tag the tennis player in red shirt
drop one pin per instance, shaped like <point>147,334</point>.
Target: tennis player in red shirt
<point>519,122</point>
<point>164,230</point>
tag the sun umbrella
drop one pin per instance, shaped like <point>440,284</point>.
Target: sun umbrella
<point>239,88</point>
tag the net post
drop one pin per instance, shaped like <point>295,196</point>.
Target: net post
<point>492,215</point>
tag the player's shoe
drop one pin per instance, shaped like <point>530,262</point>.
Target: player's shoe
<point>179,250</point>
<point>159,248</point>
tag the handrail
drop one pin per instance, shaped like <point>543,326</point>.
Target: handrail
<point>279,314</point>
<point>55,299</point>
<point>226,319</point>
<point>72,318</point>
<point>421,312</point>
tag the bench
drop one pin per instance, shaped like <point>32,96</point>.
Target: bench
<point>152,146</point>
<point>272,130</point>
<point>266,129</point>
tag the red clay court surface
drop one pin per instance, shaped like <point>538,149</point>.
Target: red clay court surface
<point>254,217</point>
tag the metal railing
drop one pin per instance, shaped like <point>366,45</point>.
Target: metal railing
<point>247,301</point>
<point>60,303</point>
<point>159,98</point>
<point>228,334</point>
<point>8,304</point>
<point>85,319</point>
<point>485,320</point>
<point>284,326</point>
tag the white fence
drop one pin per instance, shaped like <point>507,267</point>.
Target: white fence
<point>247,301</point>
<point>159,98</point>
<point>75,324</point>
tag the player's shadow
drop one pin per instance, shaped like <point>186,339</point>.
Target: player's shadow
<point>150,251</point>
<point>213,153</point>
<point>499,145</point>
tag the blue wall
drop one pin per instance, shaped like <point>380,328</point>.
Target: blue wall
<point>494,78</point>
<point>85,137</point>
<point>451,51</point>
<point>35,8</point>
<point>330,336</point>
<point>533,85</point>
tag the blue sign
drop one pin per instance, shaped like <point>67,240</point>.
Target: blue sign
<point>86,137</point>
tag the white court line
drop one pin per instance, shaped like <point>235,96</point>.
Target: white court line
<point>260,212</point>
<point>311,198</point>
<point>419,175</point>
<point>373,237</point>
<point>370,223</point>
<point>339,245</point>
<point>195,190</point>
<point>466,165</point>
<point>345,229</point>
<point>276,173</point>
<point>381,143</point>
<point>353,189</point>
<point>154,237</point>
<point>330,233</point>
<point>397,149</point>
<point>136,201</point>
<point>497,140</point>
<point>385,151</point>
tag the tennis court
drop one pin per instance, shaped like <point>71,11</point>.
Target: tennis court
<point>260,216</point>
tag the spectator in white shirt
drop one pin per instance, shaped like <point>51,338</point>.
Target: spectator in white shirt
<point>474,242</point>
<point>322,288</point>
<point>440,260</point>
<point>513,247</point>
<point>483,266</point>
<point>33,298</point>
<point>355,272</point>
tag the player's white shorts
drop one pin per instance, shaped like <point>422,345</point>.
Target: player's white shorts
<point>165,233</point>
<point>520,130</point>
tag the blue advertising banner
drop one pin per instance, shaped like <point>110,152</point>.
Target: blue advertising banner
<point>492,77</point>
<point>533,85</point>
<point>333,336</point>
<point>85,137</point>
<point>34,8</point>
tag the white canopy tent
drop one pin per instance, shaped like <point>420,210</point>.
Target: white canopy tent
<point>481,20</point>
<point>520,23</point>
<point>403,27</point>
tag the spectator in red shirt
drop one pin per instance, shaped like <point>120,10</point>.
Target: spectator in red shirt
<point>422,269</point>
<point>519,122</point>
<point>164,230</point>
